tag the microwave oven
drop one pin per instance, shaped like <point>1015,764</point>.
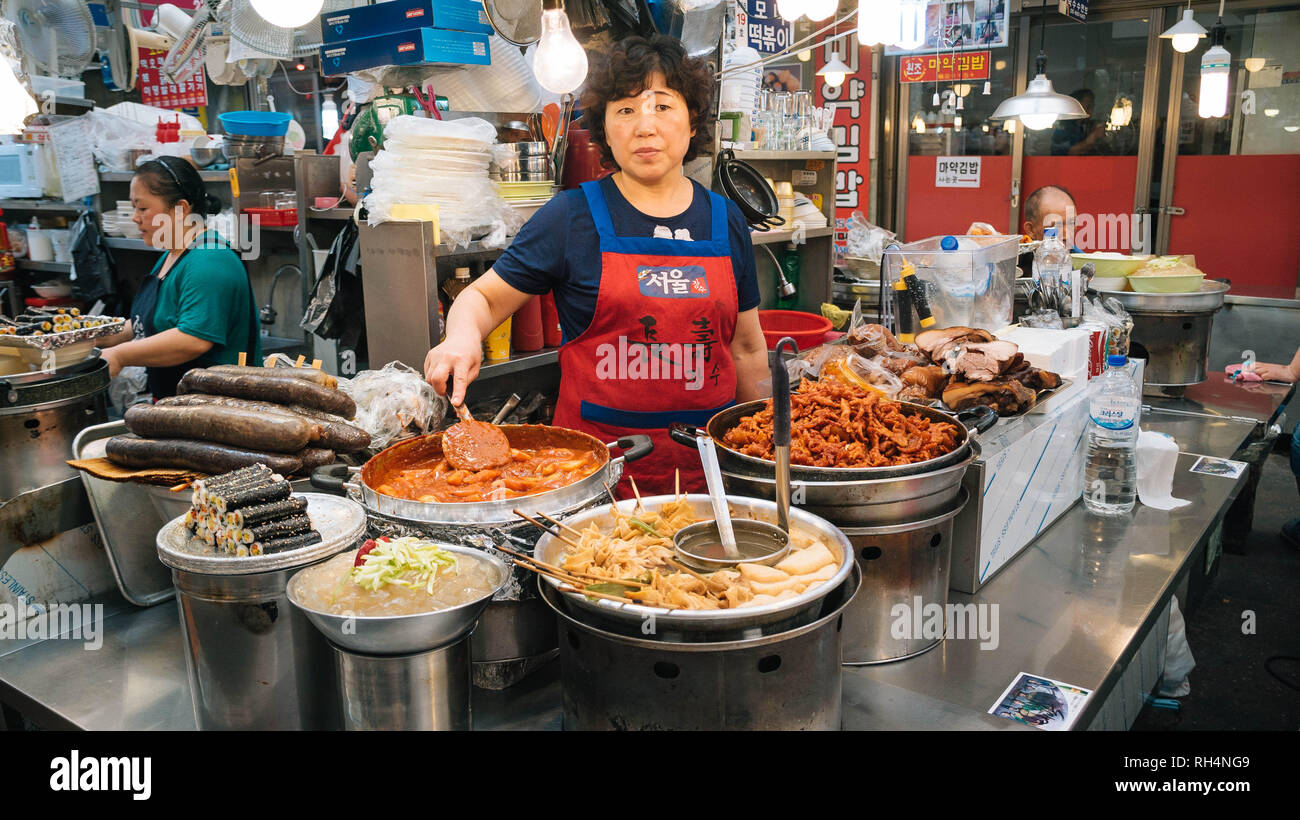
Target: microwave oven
<point>22,172</point>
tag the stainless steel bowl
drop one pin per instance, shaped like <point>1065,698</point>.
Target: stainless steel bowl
<point>403,634</point>
<point>523,149</point>
<point>687,626</point>
<point>203,157</point>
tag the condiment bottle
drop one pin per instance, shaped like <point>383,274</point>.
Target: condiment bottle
<point>526,332</point>
<point>552,333</point>
<point>454,287</point>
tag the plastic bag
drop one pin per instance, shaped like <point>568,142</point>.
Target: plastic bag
<point>113,138</point>
<point>866,240</point>
<point>1179,662</point>
<point>394,403</point>
<point>1111,314</point>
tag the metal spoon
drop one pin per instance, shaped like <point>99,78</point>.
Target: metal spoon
<point>717,495</point>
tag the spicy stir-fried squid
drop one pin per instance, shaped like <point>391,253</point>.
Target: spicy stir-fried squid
<point>639,547</point>
<point>833,424</point>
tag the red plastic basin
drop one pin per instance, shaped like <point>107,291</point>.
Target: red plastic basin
<point>807,329</point>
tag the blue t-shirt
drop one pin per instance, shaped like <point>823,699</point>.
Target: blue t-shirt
<point>558,249</point>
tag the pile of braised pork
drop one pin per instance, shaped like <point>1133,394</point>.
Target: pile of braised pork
<point>963,366</point>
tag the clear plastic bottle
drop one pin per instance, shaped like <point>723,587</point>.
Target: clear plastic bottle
<point>1110,461</point>
<point>1052,264</point>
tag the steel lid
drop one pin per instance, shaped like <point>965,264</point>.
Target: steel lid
<point>340,521</point>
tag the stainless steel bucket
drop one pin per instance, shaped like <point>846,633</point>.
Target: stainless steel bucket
<point>424,691</point>
<point>254,660</point>
<point>790,680</point>
<point>900,563</point>
<point>40,415</point>
<point>1178,346</point>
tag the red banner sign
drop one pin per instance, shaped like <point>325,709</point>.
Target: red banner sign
<point>929,68</point>
<point>155,90</point>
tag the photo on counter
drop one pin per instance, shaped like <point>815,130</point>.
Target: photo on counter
<point>1041,702</point>
<point>1219,466</point>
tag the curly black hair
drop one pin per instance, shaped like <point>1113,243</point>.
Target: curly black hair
<point>624,71</point>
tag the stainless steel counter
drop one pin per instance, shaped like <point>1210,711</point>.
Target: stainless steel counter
<point>1074,606</point>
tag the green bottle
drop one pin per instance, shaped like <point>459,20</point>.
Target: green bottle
<point>790,267</point>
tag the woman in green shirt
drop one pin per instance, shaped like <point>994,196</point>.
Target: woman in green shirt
<point>196,307</point>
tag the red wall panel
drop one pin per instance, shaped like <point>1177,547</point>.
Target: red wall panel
<point>1240,220</point>
<point>935,211</point>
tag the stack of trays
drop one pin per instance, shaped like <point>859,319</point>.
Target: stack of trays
<point>249,512</point>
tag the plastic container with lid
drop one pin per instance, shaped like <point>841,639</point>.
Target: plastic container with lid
<point>526,333</point>
<point>969,280</point>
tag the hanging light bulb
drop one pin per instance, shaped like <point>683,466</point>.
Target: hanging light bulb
<point>1254,64</point>
<point>911,24</point>
<point>988,88</point>
<point>1291,129</point>
<point>1271,112</point>
<point>1039,106</point>
<point>1121,114</point>
<point>288,13</point>
<point>985,128</point>
<point>804,56</point>
<point>820,9</point>
<point>834,72</point>
<point>877,22</point>
<point>1037,122</point>
<point>1186,33</point>
<point>935,99</point>
<point>790,10</point>
<point>918,123</point>
<point>1215,67</point>
<point>956,122</point>
<point>16,105</point>
<point>962,89</point>
<point>560,63</point>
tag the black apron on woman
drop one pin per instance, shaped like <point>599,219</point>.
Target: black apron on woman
<point>162,381</point>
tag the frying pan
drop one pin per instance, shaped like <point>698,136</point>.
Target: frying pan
<point>746,187</point>
<point>969,422</point>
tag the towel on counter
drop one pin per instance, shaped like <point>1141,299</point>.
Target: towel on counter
<point>1157,456</point>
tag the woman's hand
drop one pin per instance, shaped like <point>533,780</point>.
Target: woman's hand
<point>458,357</point>
<point>114,362</point>
<point>1274,372</point>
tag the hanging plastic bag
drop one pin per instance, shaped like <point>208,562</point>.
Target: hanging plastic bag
<point>1179,662</point>
<point>394,403</point>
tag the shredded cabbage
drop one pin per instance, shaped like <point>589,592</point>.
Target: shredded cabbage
<point>407,561</point>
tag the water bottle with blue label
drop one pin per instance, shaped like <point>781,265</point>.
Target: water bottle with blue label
<point>1110,462</point>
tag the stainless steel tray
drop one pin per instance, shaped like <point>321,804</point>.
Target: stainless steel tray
<point>128,522</point>
<point>54,341</point>
<point>1206,300</point>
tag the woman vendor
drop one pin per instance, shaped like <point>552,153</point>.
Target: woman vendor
<point>653,274</point>
<point>196,307</point>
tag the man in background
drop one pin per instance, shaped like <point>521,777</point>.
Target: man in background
<point>1047,207</point>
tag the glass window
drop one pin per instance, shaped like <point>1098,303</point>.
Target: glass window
<point>1101,64</point>
<point>1262,113</point>
<point>933,127</point>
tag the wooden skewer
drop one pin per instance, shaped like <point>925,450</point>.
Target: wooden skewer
<point>559,523</point>
<point>635,491</point>
<point>243,358</point>
<point>179,487</point>
<point>677,484</point>
<point>543,528</point>
<point>607,597</point>
<point>577,575</point>
<point>301,358</point>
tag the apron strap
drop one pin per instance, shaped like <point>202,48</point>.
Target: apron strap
<point>718,243</point>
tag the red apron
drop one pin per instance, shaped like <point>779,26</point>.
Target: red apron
<point>658,349</point>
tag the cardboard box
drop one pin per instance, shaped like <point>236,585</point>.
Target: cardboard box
<point>403,15</point>
<point>425,45</point>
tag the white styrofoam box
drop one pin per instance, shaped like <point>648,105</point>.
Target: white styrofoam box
<point>1077,383</point>
<point>69,568</point>
<point>1030,472</point>
<point>1060,351</point>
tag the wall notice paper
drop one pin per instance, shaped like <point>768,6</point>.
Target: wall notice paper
<point>1219,467</point>
<point>74,159</point>
<point>957,172</point>
<point>1041,702</point>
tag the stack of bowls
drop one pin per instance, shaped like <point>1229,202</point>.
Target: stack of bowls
<point>235,146</point>
<point>118,222</point>
<point>523,175</point>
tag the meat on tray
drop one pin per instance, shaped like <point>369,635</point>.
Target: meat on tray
<point>1007,396</point>
<point>985,361</point>
<point>937,343</point>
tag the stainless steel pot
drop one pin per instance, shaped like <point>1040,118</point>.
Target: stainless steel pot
<point>976,419</point>
<point>1175,330</point>
<point>40,416</point>
<point>906,564</point>
<point>425,691</point>
<point>330,478</point>
<point>790,680</point>
<point>254,660</point>
<point>674,625</point>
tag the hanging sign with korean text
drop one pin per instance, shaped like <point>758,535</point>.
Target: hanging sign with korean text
<point>942,68</point>
<point>1074,9</point>
<point>765,31</point>
<point>957,172</point>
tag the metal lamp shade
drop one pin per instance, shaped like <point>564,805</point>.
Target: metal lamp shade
<point>1039,98</point>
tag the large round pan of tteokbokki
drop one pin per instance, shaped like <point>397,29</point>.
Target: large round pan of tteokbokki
<point>554,468</point>
<point>840,432</point>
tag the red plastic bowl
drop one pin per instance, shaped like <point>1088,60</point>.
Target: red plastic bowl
<point>807,329</point>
